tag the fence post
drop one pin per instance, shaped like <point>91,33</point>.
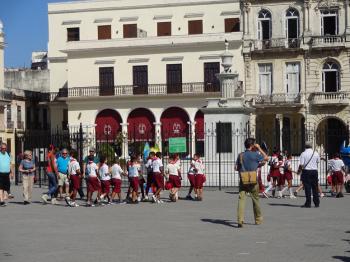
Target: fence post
<point>80,143</point>
<point>15,157</point>
<point>220,149</point>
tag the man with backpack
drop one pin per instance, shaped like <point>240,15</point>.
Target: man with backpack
<point>5,174</point>
<point>248,163</point>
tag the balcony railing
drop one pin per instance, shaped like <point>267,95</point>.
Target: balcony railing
<point>330,98</point>
<point>20,125</point>
<point>151,89</point>
<point>10,125</point>
<point>277,43</point>
<point>328,40</point>
<point>277,99</point>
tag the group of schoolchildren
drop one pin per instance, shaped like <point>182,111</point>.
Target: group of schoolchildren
<point>105,180</point>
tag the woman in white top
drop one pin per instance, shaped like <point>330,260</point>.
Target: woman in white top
<point>173,172</point>
<point>117,172</point>
<point>105,179</point>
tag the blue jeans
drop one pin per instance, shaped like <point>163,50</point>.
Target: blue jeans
<point>52,184</point>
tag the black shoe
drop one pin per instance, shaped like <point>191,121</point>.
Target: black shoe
<point>305,206</point>
<point>317,206</point>
<point>2,204</point>
<point>189,197</point>
<point>26,203</point>
<point>240,225</point>
<point>341,195</point>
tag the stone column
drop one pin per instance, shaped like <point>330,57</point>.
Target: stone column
<point>307,30</point>
<point>125,144</point>
<point>158,134</point>
<point>347,19</point>
<point>192,136</point>
<point>252,125</point>
<point>280,119</point>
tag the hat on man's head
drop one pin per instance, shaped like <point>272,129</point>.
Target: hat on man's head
<point>308,144</point>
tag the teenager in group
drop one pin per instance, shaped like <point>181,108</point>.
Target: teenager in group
<point>117,172</point>
<point>158,177</point>
<point>93,181</point>
<point>190,177</point>
<point>199,178</point>
<point>280,180</point>
<point>62,172</point>
<point>74,174</point>
<point>149,169</point>
<point>27,168</point>
<point>133,174</point>
<point>173,171</point>
<point>105,178</point>
<point>337,168</point>
<point>96,160</point>
<point>274,173</point>
<point>287,176</point>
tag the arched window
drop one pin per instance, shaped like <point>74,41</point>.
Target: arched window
<point>264,26</point>
<point>292,27</point>
<point>330,77</point>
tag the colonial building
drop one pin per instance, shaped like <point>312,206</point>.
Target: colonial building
<point>140,68</point>
<point>297,73</point>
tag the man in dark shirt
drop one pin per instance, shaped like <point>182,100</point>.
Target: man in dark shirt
<point>252,158</point>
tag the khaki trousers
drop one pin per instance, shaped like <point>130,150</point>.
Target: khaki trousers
<point>254,193</point>
<point>27,182</point>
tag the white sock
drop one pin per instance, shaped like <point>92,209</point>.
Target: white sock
<point>291,192</point>
<point>284,189</point>
<point>268,188</point>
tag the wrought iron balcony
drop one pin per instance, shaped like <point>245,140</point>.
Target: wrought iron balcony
<point>195,88</point>
<point>277,100</point>
<point>328,41</point>
<point>330,98</point>
<point>277,43</point>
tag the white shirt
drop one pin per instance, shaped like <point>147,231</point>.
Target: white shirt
<point>117,171</point>
<point>191,171</point>
<point>307,162</point>
<point>156,165</point>
<point>335,165</point>
<point>92,169</point>
<point>172,169</point>
<point>198,164</point>
<point>73,167</point>
<point>104,173</point>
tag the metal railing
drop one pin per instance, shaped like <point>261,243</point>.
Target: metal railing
<point>128,90</point>
<point>327,40</point>
<point>340,98</point>
<point>277,99</point>
<point>277,43</point>
<point>6,94</point>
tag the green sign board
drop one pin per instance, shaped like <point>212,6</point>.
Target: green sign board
<point>177,145</point>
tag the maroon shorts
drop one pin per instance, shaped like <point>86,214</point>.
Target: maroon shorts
<point>281,180</point>
<point>117,184</point>
<point>199,181</point>
<point>75,182</point>
<point>149,179</point>
<point>191,179</point>
<point>337,178</point>
<point>94,184</point>
<point>275,172</point>
<point>288,176</point>
<point>134,183</point>
<point>175,181</point>
<point>106,186</point>
<point>158,180</point>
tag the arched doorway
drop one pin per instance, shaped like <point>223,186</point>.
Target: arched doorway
<point>107,131</point>
<point>140,129</point>
<point>331,134</point>
<point>199,132</point>
<point>174,122</point>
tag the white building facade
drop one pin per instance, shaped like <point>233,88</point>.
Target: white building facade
<point>141,69</point>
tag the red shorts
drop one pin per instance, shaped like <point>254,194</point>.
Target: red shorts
<point>281,180</point>
<point>106,185</point>
<point>191,179</point>
<point>117,184</point>
<point>275,172</point>
<point>158,180</point>
<point>337,178</point>
<point>94,184</point>
<point>199,180</point>
<point>288,176</point>
<point>175,181</point>
<point>134,183</point>
<point>75,182</point>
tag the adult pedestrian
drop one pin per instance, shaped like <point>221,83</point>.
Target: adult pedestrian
<point>62,172</point>
<point>248,161</point>
<point>27,169</point>
<point>51,171</point>
<point>6,173</point>
<point>308,166</point>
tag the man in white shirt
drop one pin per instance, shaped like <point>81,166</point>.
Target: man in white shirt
<point>308,165</point>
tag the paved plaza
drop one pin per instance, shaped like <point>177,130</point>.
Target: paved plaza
<point>183,231</point>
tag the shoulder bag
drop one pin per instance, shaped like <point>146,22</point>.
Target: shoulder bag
<point>248,178</point>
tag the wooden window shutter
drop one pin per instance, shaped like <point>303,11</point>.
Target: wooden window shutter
<point>232,25</point>
<point>163,28</point>
<point>195,27</point>
<point>130,30</point>
<point>104,32</point>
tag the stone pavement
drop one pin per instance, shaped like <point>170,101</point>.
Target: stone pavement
<point>185,231</point>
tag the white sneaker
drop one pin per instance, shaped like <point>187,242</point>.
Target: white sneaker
<point>146,197</point>
<point>53,201</point>
<point>322,195</point>
<point>154,199</point>
<point>44,198</point>
<point>74,204</point>
<point>265,195</point>
<point>160,201</point>
<point>292,197</point>
<point>139,198</point>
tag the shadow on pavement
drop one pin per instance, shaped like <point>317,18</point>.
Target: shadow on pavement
<point>342,258</point>
<point>224,222</point>
<point>283,205</point>
<point>232,192</point>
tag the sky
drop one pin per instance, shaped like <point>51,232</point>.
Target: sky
<point>26,29</point>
